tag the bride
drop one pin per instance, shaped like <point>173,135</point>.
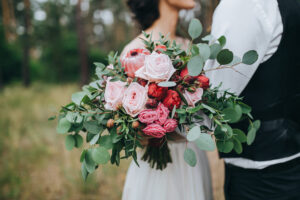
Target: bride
<point>178,181</point>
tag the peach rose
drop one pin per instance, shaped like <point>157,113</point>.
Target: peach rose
<point>135,99</point>
<point>113,95</point>
<point>170,125</point>
<point>155,130</point>
<point>157,67</point>
<point>162,113</point>
<point>193,98</point>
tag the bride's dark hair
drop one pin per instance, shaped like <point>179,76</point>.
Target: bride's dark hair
<point>145,11</point>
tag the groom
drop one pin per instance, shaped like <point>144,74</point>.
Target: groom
<point>270,167</point>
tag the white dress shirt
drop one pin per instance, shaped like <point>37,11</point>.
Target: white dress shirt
<point>247,25</point>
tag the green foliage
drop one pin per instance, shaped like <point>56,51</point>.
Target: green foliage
<point>195,28</point>
<point>225,57</point>
<point>190,157</point>
<point>250,57</point>
<point>205,142</point>
<point>100,155</point>
<point>195,65</point>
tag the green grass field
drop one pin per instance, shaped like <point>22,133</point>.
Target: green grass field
<point>34,164</point>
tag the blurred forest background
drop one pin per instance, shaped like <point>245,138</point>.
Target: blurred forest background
<point>47,48</point>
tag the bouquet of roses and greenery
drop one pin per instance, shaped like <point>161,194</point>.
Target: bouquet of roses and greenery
<point>154,92</point>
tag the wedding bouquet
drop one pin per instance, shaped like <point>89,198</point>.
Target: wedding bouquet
<point>154,92</point>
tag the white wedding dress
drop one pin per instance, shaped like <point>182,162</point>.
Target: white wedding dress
<point>178,181</point>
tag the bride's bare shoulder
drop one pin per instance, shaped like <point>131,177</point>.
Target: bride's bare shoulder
<point>134,44</point>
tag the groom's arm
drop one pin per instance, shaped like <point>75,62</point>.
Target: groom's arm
<point>247,25</point>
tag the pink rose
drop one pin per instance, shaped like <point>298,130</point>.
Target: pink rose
<point>134,60</point>
<point>113,94</point>
<point>135,99</point>
<point>148,116</point>
<point>193,98</point>
<point>155,130</point>
<point>157,67</point>
<point>162,113</point>
<point>170,125</point>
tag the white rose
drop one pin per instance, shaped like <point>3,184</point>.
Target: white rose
<point>157,67</point>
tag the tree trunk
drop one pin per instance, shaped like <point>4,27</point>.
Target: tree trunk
<point>26,44</point>
<point>82,45</point>
<point>8,19</point>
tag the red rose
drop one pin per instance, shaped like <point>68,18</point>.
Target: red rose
<point>162,113</point>
<point>142,82</point>
<point>203,81</point>
<point>155,130</point>
<point>157,92</point>
<point>170,125</point>
<point>172,99</point>
<point>148,116</point>
<point>184,74</point>
<point>160,48</point>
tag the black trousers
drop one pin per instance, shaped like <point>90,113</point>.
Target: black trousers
<point>277,182</point>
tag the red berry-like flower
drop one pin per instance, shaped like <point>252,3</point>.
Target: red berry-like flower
<point>184,72</point>
<point>157,92</point>
<point>172,99</point>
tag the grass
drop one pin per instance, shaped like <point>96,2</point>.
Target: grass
<point>33,161</point>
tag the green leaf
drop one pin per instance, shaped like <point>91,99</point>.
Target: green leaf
<point>74,117</point>
<point>222,41</point>
<point>256,124</point>
<point>89,162</point>
<point>181,96</point>
<point>95,139</point>
<point>240,135</point>
<point>205,142</point>
<point>77,97</point>
<point>70,142</point>
<point>233,114</point>
<point>245,108</point>
<point>193,134</point>
<point>225,146</point>
<point>251,135</point>
<point>250,57</point>
<point>195,28</point>
<point>204,51</point>
<point>237,146</point>
<point>195,65</point>
<point>106,141</point>
<point>167,84</point>
<point>63,126</point>
<point>173,112</point>
<point>228,130</point>
<point>181,111</point>
<point>195,50</point>
<point>214,50</point>
<point>78,140</point>
<point>84,172</point>
<point>82,156</point>
<point>52,118</point>
<point>190,157</point>
<point>208,38</point>
<point>93,127</point>
<point>225,57</point>
<point>208,108</point>
<point>100,155</point>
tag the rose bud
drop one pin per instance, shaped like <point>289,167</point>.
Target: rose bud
<point>135,124</point>
<point>148,116</point>
<point>172,99</point>
<point>157,92</point>
<point>151,103</point>
<point>142,82</point>
<point>155,130</point>
<point>119,130</point>
<point>160,48</point>
<point>191,89</point>
<point>184,72</point>
<point>110,123</point>
<point>189,79</point>
<point>203,81</point>
<point>134,60</point>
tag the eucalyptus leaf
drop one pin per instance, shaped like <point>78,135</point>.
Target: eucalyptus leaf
<point>222,40</point>
<point>251,135</point>
<point>214,50</point>
<point>204,50</point>
<point>63,126</point>
<point>70,142</point>
<point>208,38</point>
<point>106,141</point>
<point>250,57</point>
<point>89,162</point>
<point>195,65</point>
<point>95,139</point>
<point>82,156</point>
<point>78,140</point>
<point>225,57</point>
<point>240,135</point>
<point>193,134</point>
<point>100,155</point>
<point>237,146</point>
<point>167,84</point>
<point>74,117</point>
<point>205,142</point>
<point>233,114</point>
<point>93,127</point>
<point>225,146</point>
<point>77,97</point>
<point>190,157</point>
<point>195,28</point>
<point>84,172</point>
